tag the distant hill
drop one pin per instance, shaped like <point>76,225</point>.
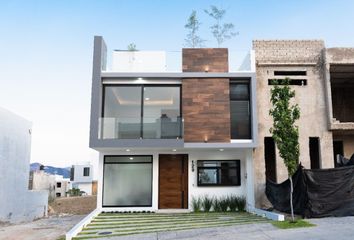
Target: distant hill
<point>65,172</point>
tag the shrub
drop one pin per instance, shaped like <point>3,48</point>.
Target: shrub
<point>224,204</point>
<point>233,203</point>
<point>216,205</point>
<point>241,207</point>
<point>207,203</point>
<point>196,204</point>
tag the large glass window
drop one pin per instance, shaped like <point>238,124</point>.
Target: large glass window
<point>240,111</point>
<point>127,181</point>
<point>161,112</point>
<point>219,173</point>
<point>142,111</point>
<point>122,112</point>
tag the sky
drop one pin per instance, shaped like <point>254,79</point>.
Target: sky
<point>46,52</point>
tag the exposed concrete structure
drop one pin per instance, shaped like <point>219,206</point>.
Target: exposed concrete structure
<point>40,180</point>
<point>339,74</point>
<point>18,204</point>
<point>323,80</point>
<point>62,186</point>
<point>303,61</point>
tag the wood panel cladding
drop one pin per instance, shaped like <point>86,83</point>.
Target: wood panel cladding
<point>173,181</point>
<point>205,60</point>
<point>206,110</point>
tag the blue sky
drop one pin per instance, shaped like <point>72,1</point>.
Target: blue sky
<point>46,51</point>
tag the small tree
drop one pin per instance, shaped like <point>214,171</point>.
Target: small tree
<point>220,31</point>
<point>284,131</point>
<point>131,47</point>
<point>192,25</point>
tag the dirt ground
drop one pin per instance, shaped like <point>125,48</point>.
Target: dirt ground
<point>73,205</point>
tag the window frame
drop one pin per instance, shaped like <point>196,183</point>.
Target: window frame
<point>83,173</point>
<point>152,172</point>
<point>235,82</point>
<point>237,169</point>
<point>142,86</point>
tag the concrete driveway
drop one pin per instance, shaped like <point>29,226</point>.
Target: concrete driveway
<point>50,228</point>
<point>326,229</point>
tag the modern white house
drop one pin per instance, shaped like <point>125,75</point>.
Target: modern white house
<point>17,203</point>
<point>82,177</point>
<point>165,136</point>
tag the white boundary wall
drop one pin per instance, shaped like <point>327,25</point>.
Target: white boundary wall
<point>18,204</point>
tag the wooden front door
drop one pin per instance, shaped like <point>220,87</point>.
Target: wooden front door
<point>173,181</point>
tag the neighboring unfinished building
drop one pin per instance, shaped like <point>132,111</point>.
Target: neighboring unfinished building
<point>323,80</point>
<point>339,75</point>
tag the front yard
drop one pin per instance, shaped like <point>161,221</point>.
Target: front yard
<point>120,224</point>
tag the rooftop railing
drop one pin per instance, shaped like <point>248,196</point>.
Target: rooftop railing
<point>171,61</point>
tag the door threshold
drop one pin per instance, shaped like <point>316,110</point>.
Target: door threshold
<point>173,210</point>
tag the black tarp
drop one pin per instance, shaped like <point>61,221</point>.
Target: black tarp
<point>279,194</point>
<point>342,161</point>
<point>317,193</point>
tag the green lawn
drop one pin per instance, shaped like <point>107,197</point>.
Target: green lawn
<point>120,224</point>
<point>297,224</point>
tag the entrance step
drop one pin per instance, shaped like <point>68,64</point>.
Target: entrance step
<point>173,211</point>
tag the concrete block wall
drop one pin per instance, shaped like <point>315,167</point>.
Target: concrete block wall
<point>292,56</point>
<point>288,51</point>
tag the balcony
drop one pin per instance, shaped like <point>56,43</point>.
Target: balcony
<point>141,128</point>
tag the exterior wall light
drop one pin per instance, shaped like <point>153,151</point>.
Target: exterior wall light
<point>205,139</point>
<point>206,69</point>
<point>192,165</point>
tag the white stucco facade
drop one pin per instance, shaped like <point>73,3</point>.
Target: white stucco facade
<point>18,204</point>
<point>245,189</point>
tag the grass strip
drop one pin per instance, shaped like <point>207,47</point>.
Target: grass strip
<point>167,219</point>
<point>157,225</point>
<point>152,231</point>
<point>169,225</point>
<point>176,221</point>
<point>300,223</point>
<point>173,217</point>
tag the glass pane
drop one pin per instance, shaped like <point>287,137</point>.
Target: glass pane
<point>127,159</point>
<point>207,176</point>
<point>122,112</point>
<point>208,163</point>
<point>228,176</point>
<point>239,92</point>
<point>127,184</point>
<point>162,115</point>
<point>240,120</point>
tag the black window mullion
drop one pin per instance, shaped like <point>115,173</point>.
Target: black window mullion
<point>142,112</point>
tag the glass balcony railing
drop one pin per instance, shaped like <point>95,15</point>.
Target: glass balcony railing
<point>239,60</point>
<point>140,128</point>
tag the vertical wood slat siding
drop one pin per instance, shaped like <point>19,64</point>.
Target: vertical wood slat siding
<point>206,102</point>
<point>206,110</point>
<point>173,181</point>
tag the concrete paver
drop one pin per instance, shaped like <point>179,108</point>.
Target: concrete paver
<point>326,229</point>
